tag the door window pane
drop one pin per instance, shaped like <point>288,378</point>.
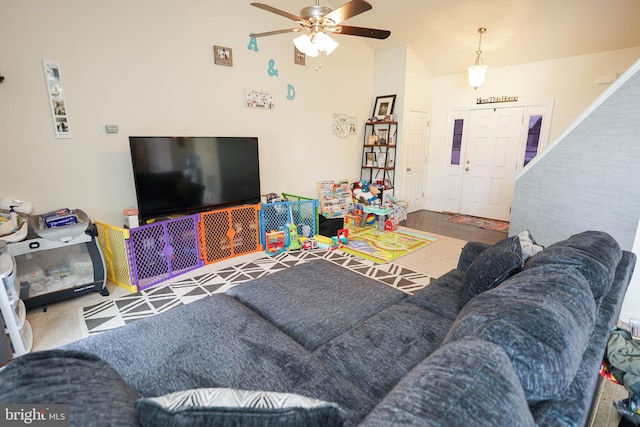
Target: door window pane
<point>456,146</point>
<point>533,138</point>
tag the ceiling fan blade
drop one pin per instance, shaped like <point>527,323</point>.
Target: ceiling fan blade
<point>363,32</point>
<point>276,11</point>
<point>348,10</point>
<point>271,33</point>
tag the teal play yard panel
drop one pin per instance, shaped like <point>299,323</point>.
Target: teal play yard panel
<point>301,212</point>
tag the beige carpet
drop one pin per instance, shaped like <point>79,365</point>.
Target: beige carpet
<point>436,259</point>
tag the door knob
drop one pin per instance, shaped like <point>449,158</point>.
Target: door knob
<point>467,169</point>
<point>408,169</point>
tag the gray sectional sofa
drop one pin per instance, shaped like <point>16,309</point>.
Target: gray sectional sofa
<point>508,338</point>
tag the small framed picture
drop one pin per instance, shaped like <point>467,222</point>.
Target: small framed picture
<point>372,140</point>
<point>383,136</point>
<point>223,55</point>
<point>382,157</point>
<point>384,106</point>
<point>371,159</point>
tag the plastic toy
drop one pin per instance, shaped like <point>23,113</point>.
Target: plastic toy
<point>343,236</point>
<point>367,219</point>
<point>325,242</point>
<point>341,239</point>
<point>274,242</point>
<point>391,224</point>
<point>309,243</point>
<point>294,244</point>
<point>303,243</point>
<point>353,218</point>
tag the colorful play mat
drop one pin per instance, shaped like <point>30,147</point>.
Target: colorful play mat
<point>384,246</point>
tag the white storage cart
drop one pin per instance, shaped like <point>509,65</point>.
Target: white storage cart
<point>18,337</point>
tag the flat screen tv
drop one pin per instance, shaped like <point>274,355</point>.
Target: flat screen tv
<point>176,175</point>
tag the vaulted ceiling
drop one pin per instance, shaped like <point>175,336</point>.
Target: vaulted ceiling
<point>443,33</point>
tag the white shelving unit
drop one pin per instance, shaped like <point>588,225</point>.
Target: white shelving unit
<point>13,310</point>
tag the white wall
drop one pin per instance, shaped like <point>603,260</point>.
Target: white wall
<point>148,67</point>
<point>569,82</point>
<point>399,71</point>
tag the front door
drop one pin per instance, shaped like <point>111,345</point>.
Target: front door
<point>491,161</point>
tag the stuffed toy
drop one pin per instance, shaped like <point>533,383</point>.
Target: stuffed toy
<point>365,194</point>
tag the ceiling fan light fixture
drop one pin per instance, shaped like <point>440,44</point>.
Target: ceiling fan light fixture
<point>313,45</point>
<point>326,44</point>
<point>303,44</point>
<point>318,22</point>
<point>478,71</point>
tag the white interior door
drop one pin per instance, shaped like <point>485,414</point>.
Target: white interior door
<point>491,161</point>
<point>415,159</point>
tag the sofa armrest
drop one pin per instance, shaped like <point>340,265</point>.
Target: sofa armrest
<point>469,252</point>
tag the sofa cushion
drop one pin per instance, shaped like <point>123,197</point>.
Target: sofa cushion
<point>491,267</point>
<point>97,395</point>
<point>378,352</point>
<point>542,318</point>
<point>316,301</point>
<point>469,382</point>
<point>226,407</point>
<point>441,296</point>
<point>594,254</point>
<point>218,342</point>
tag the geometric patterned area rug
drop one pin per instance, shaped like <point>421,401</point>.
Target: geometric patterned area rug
<point>474,221</point>
<point>209,280</point>
<point>384,246</point>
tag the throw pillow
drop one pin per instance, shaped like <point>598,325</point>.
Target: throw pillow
<point>528,246</point>
<point>491,267</point>
<point>95,392</point>
<point>226,407</point>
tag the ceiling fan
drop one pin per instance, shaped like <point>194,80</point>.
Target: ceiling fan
<point>319,21</point>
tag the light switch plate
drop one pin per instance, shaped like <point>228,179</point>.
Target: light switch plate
<point>111,128</point>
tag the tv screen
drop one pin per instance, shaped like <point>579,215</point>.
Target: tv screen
<point>193,174</point>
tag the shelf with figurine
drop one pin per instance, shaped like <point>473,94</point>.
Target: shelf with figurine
<point>379,152</point>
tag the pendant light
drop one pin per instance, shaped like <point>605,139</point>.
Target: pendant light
<point>478,70</point>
